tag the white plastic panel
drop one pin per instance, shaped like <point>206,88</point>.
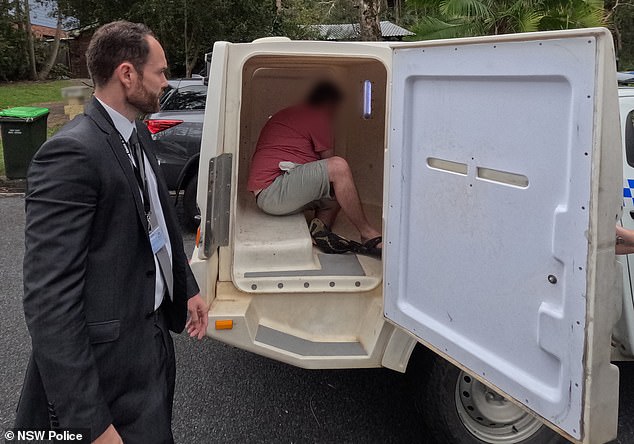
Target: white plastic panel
<point>489,189</point>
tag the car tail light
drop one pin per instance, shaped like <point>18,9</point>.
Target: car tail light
<point>158,125</point>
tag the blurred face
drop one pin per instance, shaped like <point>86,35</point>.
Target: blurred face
<point>148,85</point>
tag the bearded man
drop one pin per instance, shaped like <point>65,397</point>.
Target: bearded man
<point>105,273</point>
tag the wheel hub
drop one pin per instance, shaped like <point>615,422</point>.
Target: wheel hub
<point>490,417</point>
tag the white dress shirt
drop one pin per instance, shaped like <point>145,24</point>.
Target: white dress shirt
<point>125,128</point>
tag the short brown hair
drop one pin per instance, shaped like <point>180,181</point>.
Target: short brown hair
<point>113,44</point>
<point>325,92</point>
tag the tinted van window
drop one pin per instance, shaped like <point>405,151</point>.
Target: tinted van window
<point>186,98</point>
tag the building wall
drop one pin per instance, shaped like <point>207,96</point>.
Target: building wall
<point>44,32</point>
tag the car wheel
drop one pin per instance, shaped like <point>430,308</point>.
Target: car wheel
<point>456,408</point>
<point>190,207</point>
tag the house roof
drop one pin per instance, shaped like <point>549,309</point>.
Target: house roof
<point>43,14</point>
<point>349,31</point>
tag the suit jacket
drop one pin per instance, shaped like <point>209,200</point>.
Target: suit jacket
<point>89,277</point>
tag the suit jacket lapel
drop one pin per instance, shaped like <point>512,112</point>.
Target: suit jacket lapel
<point>96,112</point>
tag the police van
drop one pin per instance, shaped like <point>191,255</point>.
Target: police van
<point>494,167</point>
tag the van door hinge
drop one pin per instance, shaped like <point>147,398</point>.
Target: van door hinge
<point>218,203</point>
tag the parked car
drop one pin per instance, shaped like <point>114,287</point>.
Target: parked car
<point>177,128</point>
<point>625,78</point>
<point>175,84</point>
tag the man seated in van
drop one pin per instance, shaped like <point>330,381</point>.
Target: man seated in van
<point>294,168</point>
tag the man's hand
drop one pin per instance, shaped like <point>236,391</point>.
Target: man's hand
<point>109,436</point>
<point>197,323</point>
<point>624,240</point>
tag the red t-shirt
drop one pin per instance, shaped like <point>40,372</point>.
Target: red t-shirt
<point>296,134</point>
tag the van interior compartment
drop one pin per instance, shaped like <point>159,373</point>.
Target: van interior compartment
<point>275,253</point>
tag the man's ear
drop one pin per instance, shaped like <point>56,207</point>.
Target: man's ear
<point>126,74</point>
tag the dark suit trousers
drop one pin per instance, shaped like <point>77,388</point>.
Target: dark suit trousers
<point>138,383</point>
<point>152,422</point>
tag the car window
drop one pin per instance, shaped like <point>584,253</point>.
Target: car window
<point>166,93</point>
<point>186,98</point>
<point>629,138</point>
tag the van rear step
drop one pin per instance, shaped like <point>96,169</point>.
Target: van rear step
<point>312,330</point>
<point>304,347</point>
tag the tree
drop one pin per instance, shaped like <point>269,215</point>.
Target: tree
<point>620,17</point>
<point>369,23</point>
<point>52,56</point>
<point>462,18</point>
<point>186,28</point>
<point>29,39</point>
<point>296,14</point>
<point>13,53</point>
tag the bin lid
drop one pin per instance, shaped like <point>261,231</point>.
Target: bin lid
<point>24,112</point>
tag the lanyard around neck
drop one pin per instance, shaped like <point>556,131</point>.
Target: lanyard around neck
<point>139,172</point>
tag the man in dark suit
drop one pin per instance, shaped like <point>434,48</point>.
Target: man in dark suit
<point>105,273</point>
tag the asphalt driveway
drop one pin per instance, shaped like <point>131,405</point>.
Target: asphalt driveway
<point>227,395</point>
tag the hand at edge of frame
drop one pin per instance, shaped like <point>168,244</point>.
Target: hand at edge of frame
<point>109,436</point>
<point>197,323</point>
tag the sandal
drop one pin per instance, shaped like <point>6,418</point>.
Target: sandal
<point>370,248</point>
<point>329,242</point>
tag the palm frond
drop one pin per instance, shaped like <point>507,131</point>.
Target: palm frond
<point>524,16</point>
<point>526,21</point>
<point>431,28</point>
<point>566,14</point>
<point>465,8</point>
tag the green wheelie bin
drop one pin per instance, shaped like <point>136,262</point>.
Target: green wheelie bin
<point>23,131</point>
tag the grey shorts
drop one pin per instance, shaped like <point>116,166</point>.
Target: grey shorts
<point>303,187</point>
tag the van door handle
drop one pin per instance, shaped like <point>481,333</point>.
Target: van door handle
<point>632,214</point>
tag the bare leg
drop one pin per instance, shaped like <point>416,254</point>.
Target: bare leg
<point>328,215</point>
<point>346,193</point>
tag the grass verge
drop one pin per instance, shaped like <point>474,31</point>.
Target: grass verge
<point>27,93</point>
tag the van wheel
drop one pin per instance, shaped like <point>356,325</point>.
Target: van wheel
<point>457,408</point>
<point>190,208</point>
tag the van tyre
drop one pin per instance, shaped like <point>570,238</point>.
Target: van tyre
<point>454,409</point>
<point>190,208</point>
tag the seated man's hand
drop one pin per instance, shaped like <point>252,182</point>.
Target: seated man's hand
<point>109,436</point>
<point>197,323</point>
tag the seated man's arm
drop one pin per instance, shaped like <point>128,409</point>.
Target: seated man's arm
<point>322,135</point>
<point>326,154</point>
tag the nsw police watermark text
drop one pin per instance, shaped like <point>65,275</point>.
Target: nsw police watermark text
<point>46,436</point>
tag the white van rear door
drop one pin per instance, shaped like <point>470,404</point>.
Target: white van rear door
<point>503,183</point>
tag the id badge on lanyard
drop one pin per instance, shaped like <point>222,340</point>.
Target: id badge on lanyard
<point>157,239</point>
